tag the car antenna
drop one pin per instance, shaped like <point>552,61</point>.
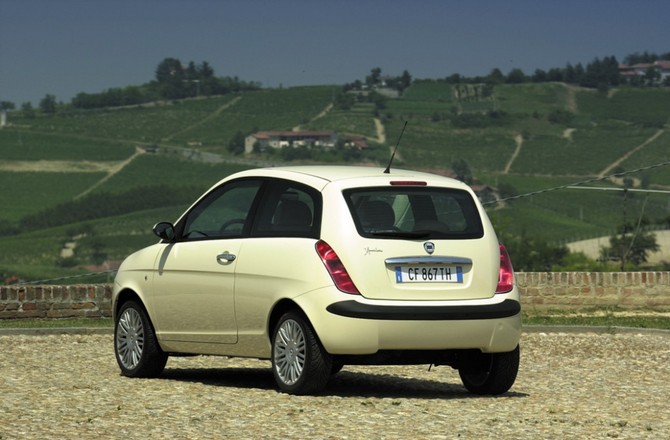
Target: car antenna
<point>388,168</point>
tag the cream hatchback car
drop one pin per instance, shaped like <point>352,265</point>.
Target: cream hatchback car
<point>319,267</point>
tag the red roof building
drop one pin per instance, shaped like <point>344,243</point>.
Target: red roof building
<point>281,139</point>
<point>663,67</point>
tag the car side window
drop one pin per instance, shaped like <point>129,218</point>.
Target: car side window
<point>288,209</point>
<point>223,213</point>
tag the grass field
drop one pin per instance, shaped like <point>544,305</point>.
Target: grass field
<point>170,170</point>
<point>31,144</point>
<point>566,135</point>
<point>645,107</point>
<point>532,98</point>
<point>28,193</point>
<point>587,152</point>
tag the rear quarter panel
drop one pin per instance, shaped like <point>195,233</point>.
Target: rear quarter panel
<point>269,270</point>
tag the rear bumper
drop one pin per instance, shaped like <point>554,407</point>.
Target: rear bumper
<point>350,325</point>
<point>354,309</point>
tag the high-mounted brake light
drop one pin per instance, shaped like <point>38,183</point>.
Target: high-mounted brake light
<point>505,273</point>
<point>408,183</point>
<point>335,268</point>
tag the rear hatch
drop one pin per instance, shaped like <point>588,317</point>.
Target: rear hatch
<point>420,243</point>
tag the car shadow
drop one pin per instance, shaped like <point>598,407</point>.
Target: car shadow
<point>342,384</point>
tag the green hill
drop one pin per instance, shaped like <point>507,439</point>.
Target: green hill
<point>517,138</point>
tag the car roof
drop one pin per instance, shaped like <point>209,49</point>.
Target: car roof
<point>335,173</point>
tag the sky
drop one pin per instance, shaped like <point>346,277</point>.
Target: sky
<point>64,47</point>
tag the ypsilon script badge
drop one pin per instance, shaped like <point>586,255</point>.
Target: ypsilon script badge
<point>429,247</point>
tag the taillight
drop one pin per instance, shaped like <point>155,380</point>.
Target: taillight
<point>335,268</point>
<point>505,273</point>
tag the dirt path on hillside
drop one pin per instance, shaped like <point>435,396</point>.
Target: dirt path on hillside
<point>381,138</point>
<point>113,171</point>
<point>567,133</point>
<point>381,131</point>
<point>57,166</point>
<point>323,113</point>
<point>619,161</point>
<point>214,114</point>
<point>519,143</point>
<point>571,99</point>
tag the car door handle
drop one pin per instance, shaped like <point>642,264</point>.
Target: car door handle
<point>225,258</point>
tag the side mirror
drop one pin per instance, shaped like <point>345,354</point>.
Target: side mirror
<point>165,231</point>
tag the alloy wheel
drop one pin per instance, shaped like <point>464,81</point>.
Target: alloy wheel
<point>130,338</point>
<point>290,352</point>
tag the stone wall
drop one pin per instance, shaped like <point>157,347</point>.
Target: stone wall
<point>540,292</point>
<point>576,291</point>
<point>75,301</point>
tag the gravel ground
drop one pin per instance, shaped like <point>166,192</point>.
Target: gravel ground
<point>570,385</point>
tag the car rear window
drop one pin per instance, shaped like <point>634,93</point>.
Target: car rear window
<point>419,213</point>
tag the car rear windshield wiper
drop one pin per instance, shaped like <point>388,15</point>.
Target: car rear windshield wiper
<point>401,234</point>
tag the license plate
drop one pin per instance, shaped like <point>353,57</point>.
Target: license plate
<point>429,274</point>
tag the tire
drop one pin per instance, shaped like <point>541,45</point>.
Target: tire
<point>490,373</point>
<point>336,368</point>
<point>300,364</point>
<point>135,345</point>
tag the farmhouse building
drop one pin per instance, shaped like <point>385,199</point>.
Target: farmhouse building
<point>263,140</point>
<point>663,67</point>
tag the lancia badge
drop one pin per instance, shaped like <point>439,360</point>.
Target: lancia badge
<point>429,247</point>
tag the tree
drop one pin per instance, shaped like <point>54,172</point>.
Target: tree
<point>652,76</point>
<point>601,74</point>
<point>170,77</point>
<point>496,76</point>
<point>630,247</point>
<point>532,254</point>
<point>640,58</point>
<point>378,100</point>
<point>454,78</point>
<point>560,116</point>
<point>8,228</point>
<point>205,70</point>
<point>579,73</point>
<point>301,152</point>
<point>506,190</point>
<point>344,101</point>
<point>611,71</point>
<point>569,75</point>
<point>539,76</point>
<point>6,105</point>
<point>98,254</point>
<point>28,110</point>
<point>555,75</point>
<point>516,76</point>
<point>236,144</point>
<point>462,170</point>
<point>169,70</point>
<point>48,104</point>
<point>191,72</point>
<point>405,80</point>
<point>374,78</point>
